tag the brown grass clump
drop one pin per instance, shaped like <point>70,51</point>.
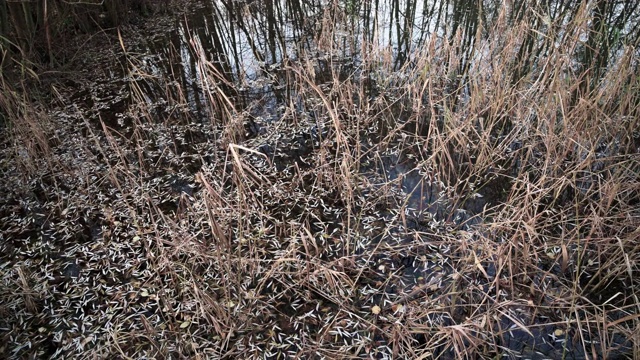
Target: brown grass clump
<point>476,205</point>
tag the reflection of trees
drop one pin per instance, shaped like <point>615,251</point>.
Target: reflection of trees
<point>606,36</point>
<point>273,30</point>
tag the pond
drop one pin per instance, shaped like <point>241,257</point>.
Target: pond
<point>361,179</point>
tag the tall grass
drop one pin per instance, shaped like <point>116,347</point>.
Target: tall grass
<point>525,230</point>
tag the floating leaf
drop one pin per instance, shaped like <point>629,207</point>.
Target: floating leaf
<point>86,340</point>
<point>185,324</point>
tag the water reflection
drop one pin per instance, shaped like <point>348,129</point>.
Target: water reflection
<point>246,42</point>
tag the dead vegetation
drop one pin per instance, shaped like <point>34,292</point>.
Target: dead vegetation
<point>387,211</point>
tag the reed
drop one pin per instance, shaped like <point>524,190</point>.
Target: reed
<point>451,204</point>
